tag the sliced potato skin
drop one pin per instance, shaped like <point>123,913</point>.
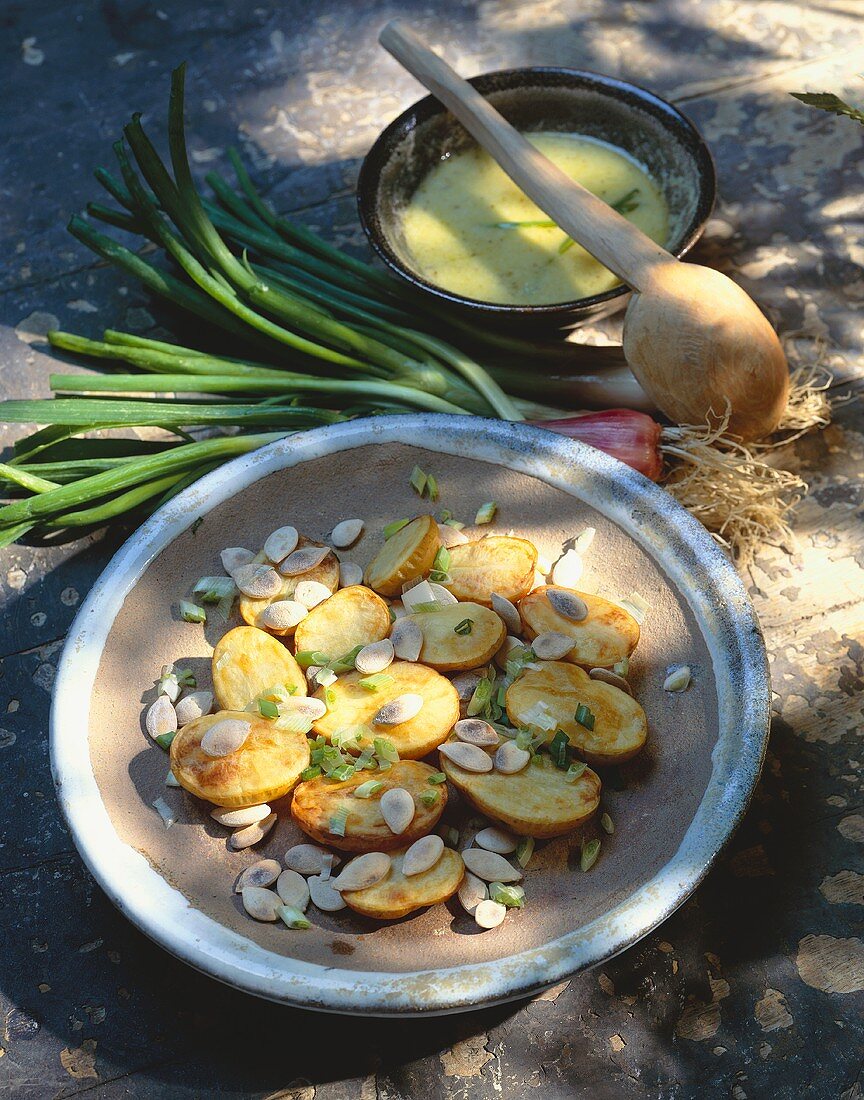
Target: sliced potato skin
<point>620,725</point>
<point>445,650</point>
<point>606,636</point>
<point>317,800</point>
<point>404,556</point>
<point>266,767</point>
<point>396,896</point>
<point>538,801</point>
<point>352,706</point>
<point>327,573</point>
<point>247,662</point>
<point>499,563</point>
<point>352,616</point>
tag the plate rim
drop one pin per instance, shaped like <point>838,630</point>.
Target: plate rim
<point>645,511</point>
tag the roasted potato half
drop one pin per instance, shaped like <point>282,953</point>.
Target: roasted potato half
<point>404,556</point>
<point>499,563</point>
<point>327,573</point>
<point>352,616</point>
<point>607,635</point>
<point>397,896</point>
<point>447,649</point>
<point>545,700</point>
<point>247,662</point>
<point>317,801</point>
<point>266,767</point>
<point>539,801</point>
<point>352,707</point>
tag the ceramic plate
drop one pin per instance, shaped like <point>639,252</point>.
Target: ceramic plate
<point>674,806</point>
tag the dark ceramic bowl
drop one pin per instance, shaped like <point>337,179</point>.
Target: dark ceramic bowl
<point>652,131</point>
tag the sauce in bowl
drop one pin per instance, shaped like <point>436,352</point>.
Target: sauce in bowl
<point>470,230</point>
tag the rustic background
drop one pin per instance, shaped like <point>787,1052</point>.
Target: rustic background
<point>756,986</point>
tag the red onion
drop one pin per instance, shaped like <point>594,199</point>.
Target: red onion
<point>633,437</point>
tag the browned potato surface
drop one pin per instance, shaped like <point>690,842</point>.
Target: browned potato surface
<point>327,573</point>
<point>247,662</point>
<point>404,556</point>
<point>352,616</point>
<point>499,563</point>
<point>447,651</point>
<point>397,896</point>
<point>606,636</point>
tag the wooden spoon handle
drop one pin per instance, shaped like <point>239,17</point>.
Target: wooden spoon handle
<point>608,236</point>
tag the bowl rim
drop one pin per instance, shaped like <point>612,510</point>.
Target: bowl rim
<point>428,107</point>
<point>693,563</point>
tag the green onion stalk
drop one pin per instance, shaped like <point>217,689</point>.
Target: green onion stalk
<point>324,337</point>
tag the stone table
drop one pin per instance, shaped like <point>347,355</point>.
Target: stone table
<point>756,986</point>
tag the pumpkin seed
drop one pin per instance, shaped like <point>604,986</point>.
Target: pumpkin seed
<point>311,593</point>
<point>259,582</point>
<point>551,645</point>
<point>567,571</point>
<point>497,840</point>
<point>362,872</point>
<point>281,615</point>
<point>324,896</point>
<point>375,657</point>
<point>168,683</point>
<point>292,889</point>
<point>397,808</point>
<point>303,707</point>
<point>606,676</point>
<point>234,557</point>
<point>677,680</point>
<point>401,709</point>
<point>583,540</point>
<point>194,705</point>
<point>507,646</point>
<point>238,819</point>
<point>489,914</point>
<point>510,759</point>
<point>301,561</point>
<point>263,873</point>
<point>280,543</point>
<point>440,594</point>
<point>308,859</point>
<point>252,834</point>
<point>349,573</point>
<point>346,533</point>
<point>468,757</point>
<point>225,737</point>
<point>490,866</point>
<point>260,904</point>
<point>472,891</point>
<point>507,613</point>
<point>466,684</point>
<point>407,639</point>
<point>474,731</point>
<point>161,717</point>
<point>568,604</point>
<point>422,855</point>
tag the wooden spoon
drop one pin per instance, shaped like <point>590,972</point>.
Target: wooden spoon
<point>694,339</point>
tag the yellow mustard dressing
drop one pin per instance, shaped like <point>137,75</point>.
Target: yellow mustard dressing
<point>455,237</point>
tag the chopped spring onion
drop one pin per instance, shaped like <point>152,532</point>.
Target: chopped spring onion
<point>373,683</point>
<point>386,750</point>
<point>481,698</point>
<point>417,481</point>
<point>343,736</point>
<point>431,605</point>
<point>414,594</point>
<point>164,811</point>
<point>456,524</point>
<point>583,540</point>
<point>429,798</point>
<point>391,613</point>
<point>307,657</point>
<point>296,723</point>
<point>366,761</point>
<point>342,772</point>
<point>440,566</point>
<point>511,896</point>
<point>345,663</point>
<point>431,487</point>
<point>324,677</point>
<point>367,789</point>
<point>585,716</point>
<point>267,708</point>
<point>678,680</point>
<point>339,821</point>
<point>486,513</point>
<point>171,779</point>
<point>192,613</point>
<point>293,917</point>
<point>464,628</point>
<point>437,777</point>
<point>559,749</point>
<point>312,772</point>
<point>163,740</point>
<point>525,851</point>
<point>524,739</point>
<point>575,771</point>
<point>607,824</point>
<point>391,528</point>
<point>518,659</point>
<point>185,677</point>
<point>329,696</point>
<point>214,589</point>
<point>501,697</point>
<point>451,837</point>
<point>590,852</point>
<point>636,605</point>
